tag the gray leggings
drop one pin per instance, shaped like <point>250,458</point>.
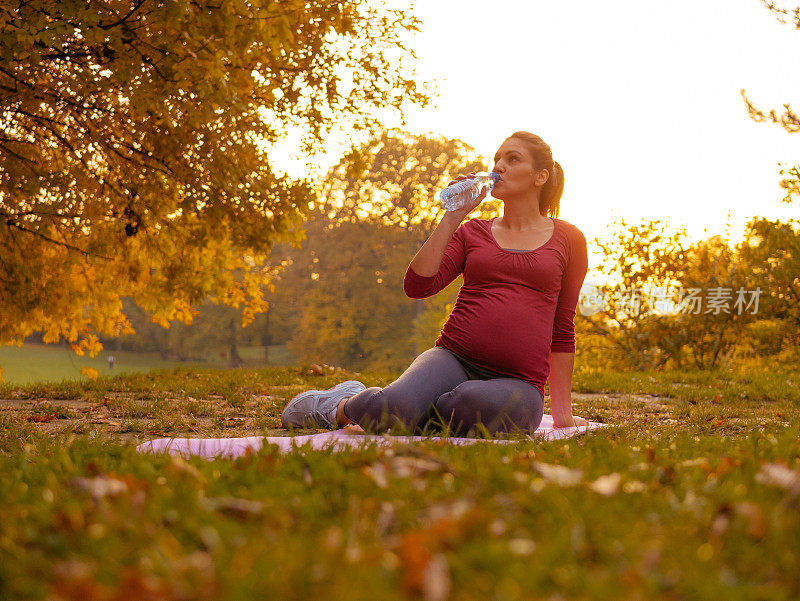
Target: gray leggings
<point>440,384</point>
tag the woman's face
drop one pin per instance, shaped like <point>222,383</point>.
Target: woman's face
<point>518,176</point>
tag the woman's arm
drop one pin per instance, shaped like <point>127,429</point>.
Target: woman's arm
<point>562,347</point>
<point>443,255</point>
<point>428,258</point>
<point>561,366</point>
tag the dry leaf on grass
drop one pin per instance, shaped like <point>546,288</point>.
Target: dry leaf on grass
<point>756,524</point>
<point>99,487</point>
<point>775,474</point>
<point>606,485</point>
<point>558,474</point>
<point>234,506</point>
<point>426,573</point>
<point>41,419</point>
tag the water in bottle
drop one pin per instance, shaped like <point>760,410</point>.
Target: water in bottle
<point>464,192</point>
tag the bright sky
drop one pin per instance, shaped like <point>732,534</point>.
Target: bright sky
<point>639,101</point>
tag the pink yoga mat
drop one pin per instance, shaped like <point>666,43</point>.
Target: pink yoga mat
<point>348,437</point>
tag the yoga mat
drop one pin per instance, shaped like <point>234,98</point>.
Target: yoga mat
<point>348,437</point>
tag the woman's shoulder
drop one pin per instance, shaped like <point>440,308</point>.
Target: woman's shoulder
<point>570,230</point>
<point>478,222</point>
<point>476,225</point>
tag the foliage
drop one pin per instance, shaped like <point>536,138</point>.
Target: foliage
<point>374,212</point>
<point>713,328</point>
<point>639,260</point>
<point>789,120</point>
<point>215,330</point>
<point>708,303</point>
<point>134,149</point>
<point>771,252</point>
<point>354,312</point>
<point>391,180</point>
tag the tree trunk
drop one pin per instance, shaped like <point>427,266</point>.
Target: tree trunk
<point>265,338</point>
<point>234,360</point>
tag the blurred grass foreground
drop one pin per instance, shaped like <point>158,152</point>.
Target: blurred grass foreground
<point>693,495</point>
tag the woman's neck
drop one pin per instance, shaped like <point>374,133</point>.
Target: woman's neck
<point>522,217</point>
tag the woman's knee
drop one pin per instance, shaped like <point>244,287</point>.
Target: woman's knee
<point>497,407</point>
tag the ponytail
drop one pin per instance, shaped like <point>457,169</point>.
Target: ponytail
<point>550,196</point>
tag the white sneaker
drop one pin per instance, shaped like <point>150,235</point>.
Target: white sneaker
<point>318,407</point>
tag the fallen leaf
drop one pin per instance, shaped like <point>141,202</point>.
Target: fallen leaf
<point>41,419</point>
<point>558,474</point>
<point>426,573</point>
<point>406,467</point>
<point>234,506</point>
<point>436,579</point>
<point>376,473</point>
<point>179,466</point>
<point>606,485</point>
<point>756,525</point>
<point>726,464</point>
<point>521,546</point>
<point>697,462</point>
<point>416,555</point>
<point>775,474</point>
<point>450,512</point>
<point>634,486</point>
<point>721,522</point>
<point>332,538</point>
<point>498,527</point>
<point>99,487</point>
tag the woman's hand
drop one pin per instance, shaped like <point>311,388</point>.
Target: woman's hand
<point>574,422</point>
<point>471,206</point>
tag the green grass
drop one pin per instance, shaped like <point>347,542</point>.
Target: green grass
<point>720,385</point>
<point>33,363</point>
<point>692,496</point>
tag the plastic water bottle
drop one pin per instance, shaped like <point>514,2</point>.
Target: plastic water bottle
<point>464,192</point>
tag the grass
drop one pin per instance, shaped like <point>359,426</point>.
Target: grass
<point>33,363</point>
<point>692,496</point>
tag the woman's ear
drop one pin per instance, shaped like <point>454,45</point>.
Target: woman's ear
<point>542,177</point>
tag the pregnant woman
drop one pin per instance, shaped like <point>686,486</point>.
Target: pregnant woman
<point>512,327</point>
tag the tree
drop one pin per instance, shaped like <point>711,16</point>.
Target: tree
<point>672,302</point>
<point>715,307</point>
<point>375,210</point>
<point>215,332</point>
<point>789,120</point>
<point>134,144</point>
<point>645,263</point>
<point>354,312</point>
<point>770,252</point>
<point>390,181</point>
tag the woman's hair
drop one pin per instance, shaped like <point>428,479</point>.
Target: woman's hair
<point>550,198</point>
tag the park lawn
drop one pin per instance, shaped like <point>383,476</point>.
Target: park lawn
<point>692,495</point>
<point>32,363</point>
<point>46,362</point>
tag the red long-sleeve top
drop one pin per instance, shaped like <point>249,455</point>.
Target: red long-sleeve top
<point>514,308</point>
